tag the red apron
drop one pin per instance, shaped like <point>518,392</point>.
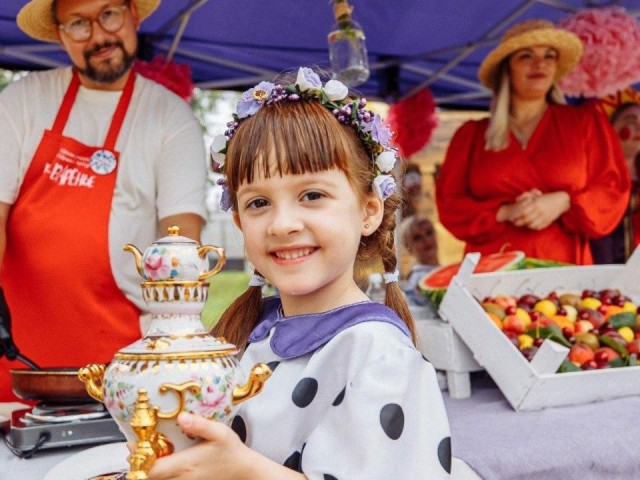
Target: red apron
<point>65,305</point>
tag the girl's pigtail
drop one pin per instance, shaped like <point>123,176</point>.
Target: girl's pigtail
<point>394,296</point>
<point>240,318</point>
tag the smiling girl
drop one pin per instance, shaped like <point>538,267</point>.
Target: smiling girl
<point>310,182</point>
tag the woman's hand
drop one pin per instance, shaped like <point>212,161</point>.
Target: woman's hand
<point>535,210</point>
<point>220,456</point>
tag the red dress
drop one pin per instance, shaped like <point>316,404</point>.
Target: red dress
<point>573,149</point>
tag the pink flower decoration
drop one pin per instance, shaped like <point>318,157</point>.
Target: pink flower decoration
<point>413,119</point>
<point>176,78</point>
<point>611,59</point>
<point>157,266</point>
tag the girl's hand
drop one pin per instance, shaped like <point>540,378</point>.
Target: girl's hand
<point>221,456</point>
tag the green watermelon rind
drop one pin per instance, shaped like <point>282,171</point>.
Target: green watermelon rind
<point>436,294</point>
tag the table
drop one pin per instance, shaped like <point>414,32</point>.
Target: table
<point>598,441</point>
<point>491,441</point>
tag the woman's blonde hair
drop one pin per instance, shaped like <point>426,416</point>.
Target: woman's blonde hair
<point>304,136</point>
<point>497,135</point>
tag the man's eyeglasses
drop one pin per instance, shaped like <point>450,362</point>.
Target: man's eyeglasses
<point>110,20</point>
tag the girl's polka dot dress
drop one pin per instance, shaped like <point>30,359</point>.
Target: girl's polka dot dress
<point>350,397</point>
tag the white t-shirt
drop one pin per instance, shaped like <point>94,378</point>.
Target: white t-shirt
<point>364,405</point>
<point>162,166</point>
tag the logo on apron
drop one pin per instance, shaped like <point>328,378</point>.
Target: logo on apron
<point>103,162</point>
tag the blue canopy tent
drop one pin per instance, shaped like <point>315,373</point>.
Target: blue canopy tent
<point>233,44</point>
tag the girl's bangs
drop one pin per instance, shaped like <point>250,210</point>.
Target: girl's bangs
<point>287,138</point>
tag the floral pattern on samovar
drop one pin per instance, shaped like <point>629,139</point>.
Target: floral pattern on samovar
<point>177,366</point>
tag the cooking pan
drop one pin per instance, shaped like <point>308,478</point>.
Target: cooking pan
<point>54,385</point>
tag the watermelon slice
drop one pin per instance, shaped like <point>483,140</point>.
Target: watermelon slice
<point>434,284</point>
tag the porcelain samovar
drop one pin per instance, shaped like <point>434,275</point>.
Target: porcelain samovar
<point>177,366</point>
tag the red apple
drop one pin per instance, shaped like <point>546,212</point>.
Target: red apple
<point>513,323</point>
<point>505,301</point>
<point>580,354</point>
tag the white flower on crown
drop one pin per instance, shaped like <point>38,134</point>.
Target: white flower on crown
<point>335,90</point>
<point>386,161</point>
<point>217,146</point>
<point>307,80</point>
<point>219,143</point>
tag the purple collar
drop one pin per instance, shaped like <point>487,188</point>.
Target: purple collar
<point>302,334</point>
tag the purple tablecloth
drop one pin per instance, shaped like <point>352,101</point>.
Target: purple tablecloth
<point>594,441</point>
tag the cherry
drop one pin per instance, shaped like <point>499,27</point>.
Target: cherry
<point>537,342</point>
<point>589,365</point>
<point>603,308</point>
<point>552,296</point>
<point>510,310</point>
<point>587,293</point>
<point>561,311</point>
<point>535,315</point>
<point>566,331</point>
<point>584,314</point>
<point>602,356</point>
<point>486,299</point>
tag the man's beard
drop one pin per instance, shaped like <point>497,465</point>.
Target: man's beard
<point>112,72</point>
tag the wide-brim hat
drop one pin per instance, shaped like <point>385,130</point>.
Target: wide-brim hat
<point>36,18</point>
<point>529,34</point>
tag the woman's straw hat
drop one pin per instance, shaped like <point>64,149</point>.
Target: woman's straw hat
<point>36,19</point>
<point>528,34</point>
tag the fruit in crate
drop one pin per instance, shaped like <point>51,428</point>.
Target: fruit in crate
<point>434,284</point>
<point>600,328</point>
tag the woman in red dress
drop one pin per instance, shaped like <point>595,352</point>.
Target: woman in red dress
<point>538,175</point>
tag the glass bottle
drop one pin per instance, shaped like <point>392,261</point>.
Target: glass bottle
<point>347,48</point>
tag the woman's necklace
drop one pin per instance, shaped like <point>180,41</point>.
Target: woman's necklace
<point>524,128</point>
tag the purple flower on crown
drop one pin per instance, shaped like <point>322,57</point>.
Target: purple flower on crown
<point>380,131</point>
<point>225,198</point>
<point>384,186</point>
<point>307,80</point>
<point>251,100</point>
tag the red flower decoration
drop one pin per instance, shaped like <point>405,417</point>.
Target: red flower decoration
<point>611,59</point>
<point>176,78</point>
<point>413,120</point>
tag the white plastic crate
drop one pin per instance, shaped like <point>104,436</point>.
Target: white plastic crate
<point>535,385</point>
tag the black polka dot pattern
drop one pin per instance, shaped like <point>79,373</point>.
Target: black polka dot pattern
<point>340,397</point>
<point>238,426</point>
<point>329,477</point>
<point>392,420</point>
<point>273,365</point>
<point>305,392</point>
<point>294,462</point>
<point>444,453</point>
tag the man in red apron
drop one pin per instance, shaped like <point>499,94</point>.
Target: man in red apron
<point>56,278</point>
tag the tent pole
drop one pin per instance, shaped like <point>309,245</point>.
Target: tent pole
<point>184,20</point>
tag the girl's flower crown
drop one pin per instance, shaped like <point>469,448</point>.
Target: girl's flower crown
<point>372,131</point>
